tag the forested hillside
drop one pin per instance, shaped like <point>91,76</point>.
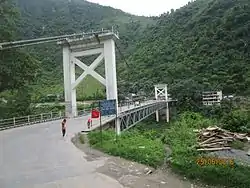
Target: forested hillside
<point>202,46</point>
<point>59,17</point>
<point>30,74</point>
<point>17,68</point>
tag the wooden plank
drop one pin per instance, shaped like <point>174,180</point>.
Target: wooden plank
<point>214,149</point>
<point>208,140</point>
<point>212,144</point>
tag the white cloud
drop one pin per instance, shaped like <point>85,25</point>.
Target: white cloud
<point>143,7</point>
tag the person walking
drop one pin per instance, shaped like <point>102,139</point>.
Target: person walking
<point>63,127</point>
<point>89,123</point>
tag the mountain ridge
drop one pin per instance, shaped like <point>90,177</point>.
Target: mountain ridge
<point>200,46</point>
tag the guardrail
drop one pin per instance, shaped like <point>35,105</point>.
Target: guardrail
<point>29,120</point>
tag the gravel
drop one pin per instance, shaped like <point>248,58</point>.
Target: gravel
<point>239,156</point>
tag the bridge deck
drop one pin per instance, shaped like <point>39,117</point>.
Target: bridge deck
<point>106,119</point>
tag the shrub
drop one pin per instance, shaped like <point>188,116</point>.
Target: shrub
<point>237,121</point>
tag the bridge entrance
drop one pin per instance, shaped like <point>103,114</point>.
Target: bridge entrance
<point>102,44</point>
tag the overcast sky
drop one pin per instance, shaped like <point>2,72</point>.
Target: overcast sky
<point>143,7</point>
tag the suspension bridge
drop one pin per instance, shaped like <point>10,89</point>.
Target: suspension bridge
<point>34,155</point>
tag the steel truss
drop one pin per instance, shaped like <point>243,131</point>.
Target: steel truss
<point>129,118</point>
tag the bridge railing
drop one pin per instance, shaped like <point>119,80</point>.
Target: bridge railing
<point>51,116</point>
<point>29,120</point>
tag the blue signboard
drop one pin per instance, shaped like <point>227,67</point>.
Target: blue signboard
<point>108,107</point>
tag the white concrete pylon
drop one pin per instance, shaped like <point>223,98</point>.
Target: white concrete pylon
<point>75,48</point>
<point>161,91</point>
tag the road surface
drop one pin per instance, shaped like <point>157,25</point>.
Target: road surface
<point>37,156</point>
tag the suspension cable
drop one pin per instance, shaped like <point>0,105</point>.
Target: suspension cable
<point>29,42</point>
<point>129,67</point>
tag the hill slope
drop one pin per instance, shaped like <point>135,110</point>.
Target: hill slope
<point>57,17</point>
<point>202,46</point>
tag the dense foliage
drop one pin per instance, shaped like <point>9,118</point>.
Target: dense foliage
<point>17,68</point>
<point>60,17</point>
<point>25,19</point>
<point>202,46</point>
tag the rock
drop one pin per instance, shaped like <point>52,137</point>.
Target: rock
<point>149,172</point>
<point>248,153</point>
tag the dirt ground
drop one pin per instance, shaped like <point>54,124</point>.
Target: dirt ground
<point>134,175</point>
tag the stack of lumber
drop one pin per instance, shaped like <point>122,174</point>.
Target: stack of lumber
<point>215,139</point>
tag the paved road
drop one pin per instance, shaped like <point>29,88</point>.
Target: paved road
<point>37,156</point>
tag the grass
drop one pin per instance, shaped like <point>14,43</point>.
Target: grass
<point>81,138</point>
<point>182,140</point>
<point>146,143</point>
<point>132,146</point>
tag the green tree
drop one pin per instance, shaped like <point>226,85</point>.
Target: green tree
<point>16,67</point>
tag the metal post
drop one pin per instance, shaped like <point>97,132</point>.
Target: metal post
<point>41,117</point>
<point>157,111</point>
<point>100,121</point>
<point>60,114</point>
<point>167,108</point>
<point>117,123</point>
<point>116,127</point>
<point>51,115</point>
<point>28,119</point>
<point>14,121</point>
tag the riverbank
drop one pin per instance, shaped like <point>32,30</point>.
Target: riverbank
<point>131,174</point>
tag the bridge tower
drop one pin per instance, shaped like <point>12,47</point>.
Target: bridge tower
<point>161,93</point>
<point>103,44</point>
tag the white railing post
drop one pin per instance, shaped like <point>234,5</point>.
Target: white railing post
<point>60,114</point>
<point>41,117</point>
<point>28,119</point>
<point>51,115</point>
<point>14,121</point>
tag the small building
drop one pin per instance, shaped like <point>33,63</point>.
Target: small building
<point>211,98</point>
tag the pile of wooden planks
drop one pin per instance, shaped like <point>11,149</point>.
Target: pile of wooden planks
<point>215,139</point>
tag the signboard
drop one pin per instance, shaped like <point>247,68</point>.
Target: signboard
<point>95,114</point>
<point>108,107</point>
